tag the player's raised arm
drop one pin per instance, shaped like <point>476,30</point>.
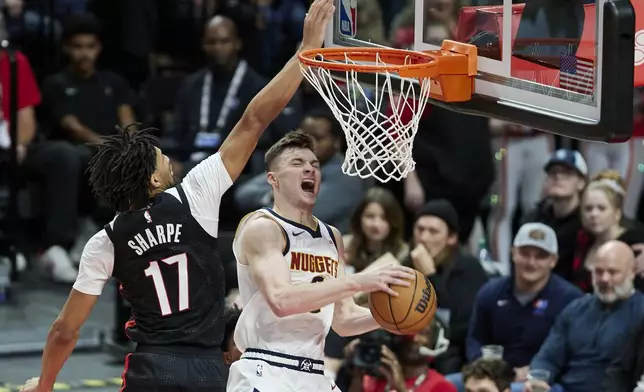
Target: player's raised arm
<point>272,99</point>
<point>262,243</point>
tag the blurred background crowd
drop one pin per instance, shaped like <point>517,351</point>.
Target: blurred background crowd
<point>511,225</point>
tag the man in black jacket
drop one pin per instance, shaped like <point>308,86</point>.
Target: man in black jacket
<point>566,179</point>
<point>456,277</point>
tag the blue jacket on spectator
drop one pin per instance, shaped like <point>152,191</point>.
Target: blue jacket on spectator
<point>587,336</point>
<point>500,318</point>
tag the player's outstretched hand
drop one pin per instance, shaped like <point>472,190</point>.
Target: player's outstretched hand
<point>381,278</point>
<point>315,23</point>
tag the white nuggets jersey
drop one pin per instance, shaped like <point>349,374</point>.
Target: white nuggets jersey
<point>311,256</point>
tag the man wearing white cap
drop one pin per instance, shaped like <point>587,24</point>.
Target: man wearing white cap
<point>516,312</point>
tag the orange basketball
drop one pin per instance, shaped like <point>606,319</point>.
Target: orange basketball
<point>408,313</point>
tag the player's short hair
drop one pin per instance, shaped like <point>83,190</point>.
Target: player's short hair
<point>292,140</point>
<point>120,171</point>
<point>81,24</point>
<point>231,315</point>
<point>496,370</point>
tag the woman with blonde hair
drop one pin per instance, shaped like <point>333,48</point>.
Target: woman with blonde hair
<point>602,220</point>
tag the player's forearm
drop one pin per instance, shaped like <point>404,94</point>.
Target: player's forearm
<point>273,98</point>
<point>60,345</point>
<point>354,321</point>
<point>304,298</point>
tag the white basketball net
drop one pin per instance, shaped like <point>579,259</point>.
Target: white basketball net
<point>378,145</point>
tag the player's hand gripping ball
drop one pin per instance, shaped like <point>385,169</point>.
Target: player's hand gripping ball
<point>408,313</point>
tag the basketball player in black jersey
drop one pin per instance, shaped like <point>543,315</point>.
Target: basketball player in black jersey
<point>162,247</point>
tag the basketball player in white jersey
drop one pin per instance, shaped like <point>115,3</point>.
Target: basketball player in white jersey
<point>519,155</point>
<point>292,281</point>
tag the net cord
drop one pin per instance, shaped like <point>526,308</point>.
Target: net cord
<point>378,146</point>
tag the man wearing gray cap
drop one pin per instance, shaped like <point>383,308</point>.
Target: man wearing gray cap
<point>516,312</point>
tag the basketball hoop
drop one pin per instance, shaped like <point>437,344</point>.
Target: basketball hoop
<point>378,145</point>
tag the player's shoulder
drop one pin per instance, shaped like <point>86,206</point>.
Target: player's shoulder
<point>99,245</point>
<point>259,224</point>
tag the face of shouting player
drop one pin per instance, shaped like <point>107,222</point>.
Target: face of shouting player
<point>297,177</point>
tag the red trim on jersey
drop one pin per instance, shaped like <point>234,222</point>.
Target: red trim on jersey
<point>129,324</point>
<point>127,363</point>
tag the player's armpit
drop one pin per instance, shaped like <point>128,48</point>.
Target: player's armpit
<point>349,319</point>
<point>261,246</point>
<point>64,334</point>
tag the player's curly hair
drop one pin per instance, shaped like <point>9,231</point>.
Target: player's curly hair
<point>120,171</point>
<point>612,184</point>
<point>496,370</point>
<point>292,140</point>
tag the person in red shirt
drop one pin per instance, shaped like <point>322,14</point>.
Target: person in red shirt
<point>54,164</point>
<point>405,369</point>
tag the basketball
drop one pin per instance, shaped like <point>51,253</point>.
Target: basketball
<point>408,313</point>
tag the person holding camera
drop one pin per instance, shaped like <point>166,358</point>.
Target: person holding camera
<point>383,362</point>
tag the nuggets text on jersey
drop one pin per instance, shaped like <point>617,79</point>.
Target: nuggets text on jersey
<point>317,264</point>
<point>161,234</point>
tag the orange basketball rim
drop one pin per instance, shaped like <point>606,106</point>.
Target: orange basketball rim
<point>450,70</point>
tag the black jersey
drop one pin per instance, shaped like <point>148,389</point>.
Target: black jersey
<point>170,273</point>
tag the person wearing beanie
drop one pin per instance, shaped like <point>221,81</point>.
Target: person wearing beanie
<point>456,276</point>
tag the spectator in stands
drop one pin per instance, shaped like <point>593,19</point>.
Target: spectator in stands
<point>212,100</point>
<point>82,104</point>
<point>85,103</point>
<point>589,334</point>
<point>375,239</point>
<point>452,154</point>
<point>517,312</point>
<point>488,375</point>
<point>404,365</point>
<point>566,172</point>
<point>230,350</point>
<point>627,372</point>
<point>456,276</point>
<point>53,163</point>
<point>339,194</point>
<point>602,220</point>
<point>376,228</point>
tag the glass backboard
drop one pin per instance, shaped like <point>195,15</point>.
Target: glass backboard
<point>563,66</point>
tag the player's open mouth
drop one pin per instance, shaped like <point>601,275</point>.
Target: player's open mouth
<point>308,186</point>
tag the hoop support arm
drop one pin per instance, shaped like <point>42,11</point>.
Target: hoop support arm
<point>456,67</point>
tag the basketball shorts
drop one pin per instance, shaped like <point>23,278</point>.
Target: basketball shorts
<point>174,369</point>
<point>269,371</point>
